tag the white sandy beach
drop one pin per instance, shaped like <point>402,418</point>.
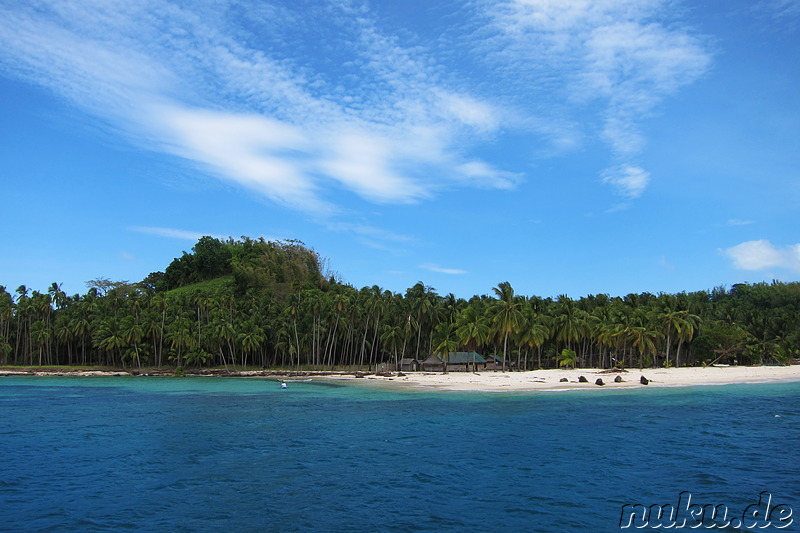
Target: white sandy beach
<point>539,380</point>
<point>533,380</point>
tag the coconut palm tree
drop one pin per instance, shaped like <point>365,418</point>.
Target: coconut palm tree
<point>507,315</point>
<point>109,337</point>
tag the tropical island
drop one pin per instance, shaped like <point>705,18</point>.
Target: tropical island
<point>252,306</point>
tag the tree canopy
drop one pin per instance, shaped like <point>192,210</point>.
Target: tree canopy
<point>247,302</point>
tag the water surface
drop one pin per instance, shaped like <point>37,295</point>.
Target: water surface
<point>208,454</point>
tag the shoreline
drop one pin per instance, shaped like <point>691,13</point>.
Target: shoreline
<point>487,381</point>
<point>550,380</point>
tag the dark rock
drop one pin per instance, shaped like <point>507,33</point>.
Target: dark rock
<point>599,382</point>
<point>563,380</point>
<point>618,379</point>
<point>644,381</point>
<point>583,380</point>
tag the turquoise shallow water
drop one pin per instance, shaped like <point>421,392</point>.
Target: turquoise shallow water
<point>208,454</point>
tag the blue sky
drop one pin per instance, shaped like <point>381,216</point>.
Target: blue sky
<point>569,147</point>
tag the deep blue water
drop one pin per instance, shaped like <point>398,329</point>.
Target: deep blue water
<point>210,454</point>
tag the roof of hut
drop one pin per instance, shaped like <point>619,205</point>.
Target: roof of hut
<point>464,358</point>
<point>432,359</point>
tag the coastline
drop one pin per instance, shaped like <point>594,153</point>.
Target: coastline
<point>550,380</point>
<point>490,381</point>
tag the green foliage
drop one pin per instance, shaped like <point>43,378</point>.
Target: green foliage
<point>258,304</point>
<point>278,267</point>
<point>179,372</point>
<point>221,285</point>
<point>567,358</point>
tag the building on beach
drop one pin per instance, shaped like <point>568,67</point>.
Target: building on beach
<point>495,362</point>
<point>408,365</point>
<point>465,361</point>
<point>455,362</point>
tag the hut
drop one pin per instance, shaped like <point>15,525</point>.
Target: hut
<point>433,363</point>
<point>465,361</point>
<point>495,362</point>
<point>408,365</point>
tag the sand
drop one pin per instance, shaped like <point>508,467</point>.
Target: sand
<point>549,380</point>
<point>534,380</point>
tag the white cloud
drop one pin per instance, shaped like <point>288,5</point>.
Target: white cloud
<point>173,233</point>
<point>628,181</point>
<point>441,270</point>
<point>257,152</point>
<point>484,175</point>
<point>762,255</point>
<point>471,112</point>
<point>364,164</point>
<point>624,54</point>
<point>189,82</point>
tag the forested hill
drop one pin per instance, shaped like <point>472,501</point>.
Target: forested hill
<point>273,266</point>
<point>266,304</point>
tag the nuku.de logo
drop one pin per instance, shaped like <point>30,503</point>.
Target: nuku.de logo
<point>690,515</point>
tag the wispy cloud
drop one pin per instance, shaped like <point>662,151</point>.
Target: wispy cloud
<point>442,270</point>
<point>173,233</point>
<point>622,53</point>
<point>763,255</point>
<point>780,8</point>
<point>384,118</point>
<point>629,181</point>
<point>739,222</point>
<point>182,80</point>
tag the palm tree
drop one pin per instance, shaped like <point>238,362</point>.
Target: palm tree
<point>507,315</point>
<point>445,341</point>
<point>644,339</point>
<point>472,330</point>
<point>570,323</point>
<point>689,325</point>
<point>132,333</point>
<point>223,332</point>
<point>391,336</point>
<point>40,336</point>
<point>534,333</point>
<point>180,336</point>
<point>109,337</point>
<point>250,338</point>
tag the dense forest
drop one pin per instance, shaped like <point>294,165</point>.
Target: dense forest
<point>260,304</point>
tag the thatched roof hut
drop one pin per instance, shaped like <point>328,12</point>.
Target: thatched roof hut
<point>408,364</point>
<point>433,363</point>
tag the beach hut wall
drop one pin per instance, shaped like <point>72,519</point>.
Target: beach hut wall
<point>408,365</point>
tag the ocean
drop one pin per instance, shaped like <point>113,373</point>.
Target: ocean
<point>238,454</point>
